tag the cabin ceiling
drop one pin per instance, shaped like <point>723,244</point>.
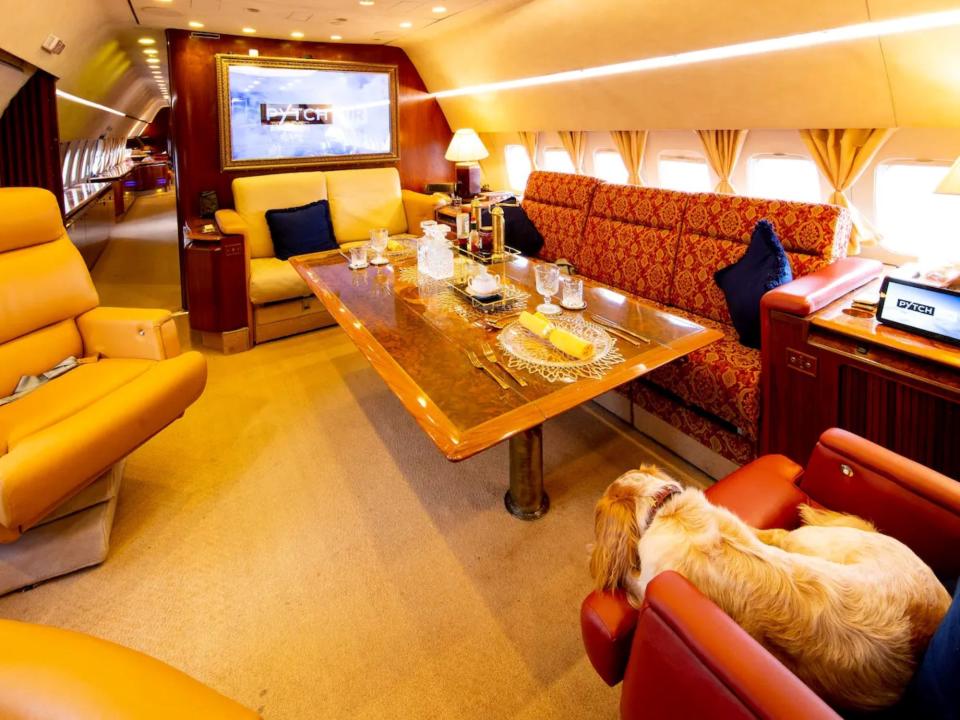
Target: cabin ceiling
<point>908,80</point>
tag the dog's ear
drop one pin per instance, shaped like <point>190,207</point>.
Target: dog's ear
<point>616,551</point>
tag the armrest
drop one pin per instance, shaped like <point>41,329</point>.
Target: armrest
<point>230,223</point>
<point>917,505</point>
<point>419,207</point>
<point>607,621</point>
<point>136,333</point>
<point>818,289</point>
<point>53,673</point>
<point>763,493</point>
<point>690,660</point>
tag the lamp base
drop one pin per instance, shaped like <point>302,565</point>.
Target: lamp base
<point>468,180</point>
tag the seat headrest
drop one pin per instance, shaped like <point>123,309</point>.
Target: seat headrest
<point>28,216</point>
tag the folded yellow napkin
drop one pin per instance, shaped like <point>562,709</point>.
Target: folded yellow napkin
<point>564,340</point>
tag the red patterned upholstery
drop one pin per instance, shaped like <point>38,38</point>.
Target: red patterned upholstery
<point>665,246</point>
<point>630,239</point>
<point>557,204</point>
<point>695,424</point>
<point>717,229</point>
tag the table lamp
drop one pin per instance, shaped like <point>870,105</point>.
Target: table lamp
<point>465,150</point>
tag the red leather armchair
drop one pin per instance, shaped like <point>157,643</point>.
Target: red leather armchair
<point>680,656</point>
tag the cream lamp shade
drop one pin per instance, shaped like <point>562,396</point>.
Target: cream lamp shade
<point>950,185</point>
<point>466,146</point>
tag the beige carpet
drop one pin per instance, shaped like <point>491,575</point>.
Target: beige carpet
<point>140,265</point>
<point>298,543</point>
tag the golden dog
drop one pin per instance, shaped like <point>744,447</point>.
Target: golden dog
<point>847,609</point>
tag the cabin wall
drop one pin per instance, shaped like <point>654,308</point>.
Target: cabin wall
<point>423,130</point>
<point>96,63</point>
<point>909,80</point>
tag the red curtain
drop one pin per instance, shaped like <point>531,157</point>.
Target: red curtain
<point>30,137</point>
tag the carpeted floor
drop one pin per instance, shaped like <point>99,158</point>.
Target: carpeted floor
<point>140,266</point>
<point>298,543</point>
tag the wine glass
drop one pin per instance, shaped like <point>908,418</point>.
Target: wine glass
<point>379,238</point>
<point>548,283</point>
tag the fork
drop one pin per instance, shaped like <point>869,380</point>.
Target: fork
<point>491,356</point>
<point>475,361</point>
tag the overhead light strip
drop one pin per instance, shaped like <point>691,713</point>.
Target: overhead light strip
<point>98,106</point>
<point>872,29</point>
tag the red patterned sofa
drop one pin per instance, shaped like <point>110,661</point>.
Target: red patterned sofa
<point>665,246</point>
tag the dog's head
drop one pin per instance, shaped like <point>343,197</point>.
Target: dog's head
<point>620,519</point>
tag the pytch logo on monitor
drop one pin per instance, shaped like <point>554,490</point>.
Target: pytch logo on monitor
<point>296,114</point>
<point>915,307</point>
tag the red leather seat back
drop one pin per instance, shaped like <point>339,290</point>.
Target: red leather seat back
<point>916,505</point>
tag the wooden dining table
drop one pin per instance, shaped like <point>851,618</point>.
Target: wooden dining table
<point>406,327</point>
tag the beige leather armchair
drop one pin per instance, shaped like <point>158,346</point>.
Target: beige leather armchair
<point>63,444</point>
<point>57,674</point>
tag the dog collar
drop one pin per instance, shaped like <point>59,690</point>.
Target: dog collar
<point>659,500</point>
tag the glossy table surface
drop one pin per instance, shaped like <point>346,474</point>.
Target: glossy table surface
<point>417,344</point>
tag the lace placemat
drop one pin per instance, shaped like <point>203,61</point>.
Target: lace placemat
<point>525,351</point>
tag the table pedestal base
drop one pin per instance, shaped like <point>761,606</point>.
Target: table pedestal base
<point>526,498</point>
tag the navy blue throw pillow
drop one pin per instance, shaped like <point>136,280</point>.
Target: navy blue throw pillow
<point>934,692</point>
<point>763,267</point>
<point>301,230</point>
<point>521,233</point>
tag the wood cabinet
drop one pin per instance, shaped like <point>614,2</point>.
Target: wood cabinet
<point>838,368</point>
<point>89,220</point>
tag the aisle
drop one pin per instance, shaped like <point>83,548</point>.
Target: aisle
<point>140,267</point>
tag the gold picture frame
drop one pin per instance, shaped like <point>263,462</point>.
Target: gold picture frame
<point>315,113</point>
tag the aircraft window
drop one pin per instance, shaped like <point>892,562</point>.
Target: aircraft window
<point>609,167</point>
<point>518,167</point>
<point>688,174</point>
<point>557,160</point>
<point>783,177</point>
<point>912,219</point>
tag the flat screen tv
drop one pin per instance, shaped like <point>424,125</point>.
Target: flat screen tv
<point>277,112</point>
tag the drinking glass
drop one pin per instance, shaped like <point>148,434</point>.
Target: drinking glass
<point>572,292</point>
<point>379,238</point>
<point>358,257</point>
<point>548,283</point>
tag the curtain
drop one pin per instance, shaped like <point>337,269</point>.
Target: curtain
<point>575,143</point>
<point>842,156</point>
<point>531,142</point>
<point>723,150</point>
<point>631,145</point>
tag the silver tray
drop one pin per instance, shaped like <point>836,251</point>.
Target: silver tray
<point>508,297</point>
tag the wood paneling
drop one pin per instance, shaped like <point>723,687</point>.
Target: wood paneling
<point>423,130</point>
<point>30,138</point>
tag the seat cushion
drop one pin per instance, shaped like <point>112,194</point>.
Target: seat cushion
<point>65,452</point>
<point>631,238</point>
<point>361,200</point>
<point>273,280</point>
<point>254,195</point>
<point>718,228</point>
<point>64,396</point>
<point>722,378</point>
<point>557,204</point>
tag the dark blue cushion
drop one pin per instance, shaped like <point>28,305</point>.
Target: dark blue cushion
<point>301,230</point>
<point>934,692</point>
<point>763,267</point>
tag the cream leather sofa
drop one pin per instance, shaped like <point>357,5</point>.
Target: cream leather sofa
<point>280,302</point>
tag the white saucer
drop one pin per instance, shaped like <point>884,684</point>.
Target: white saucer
<point>581,306</point>
<point>381,261</point>
<point>360,266</point>
<point>482,295</point>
